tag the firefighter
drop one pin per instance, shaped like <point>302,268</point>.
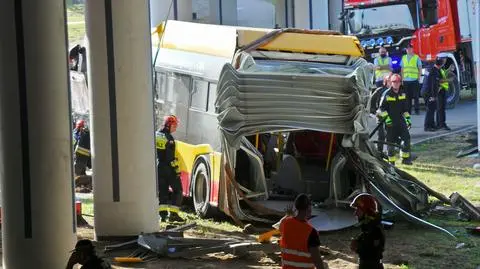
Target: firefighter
<point>430,91</point>
<point>442,98</point>
<point>411,72</point>
<point>299,240</point>
<point>370,244</point>
<point>394,112</point>
<point>81,149</point>
<point>168,171</point>
<point>383,66</point>
<point>377,97</point>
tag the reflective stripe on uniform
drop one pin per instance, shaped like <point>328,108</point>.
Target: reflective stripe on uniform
<point>402,97</point>
<point>392,158</point>
<point>405,155</point>
<point>297,264</point>
<point>391,99</point>
<point>160,141</point>
<point>296,252</point>
<point>82,151</point>
<point>170,208</point>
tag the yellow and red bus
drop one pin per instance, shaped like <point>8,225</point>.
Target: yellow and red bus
<point>266,114</point>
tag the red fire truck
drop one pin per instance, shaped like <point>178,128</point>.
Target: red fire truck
<point>433,27</point>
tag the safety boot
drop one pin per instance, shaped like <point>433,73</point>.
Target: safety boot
<point>174,217</point>
<point>407,161</point>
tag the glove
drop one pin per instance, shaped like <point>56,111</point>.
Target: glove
<point>388,122</point>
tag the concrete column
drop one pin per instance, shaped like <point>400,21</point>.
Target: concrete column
<point>176,9</point>
<point>223,12</point>
<point>302,14</point>
<point>281,13</point>
<point>38,217</point>
<point>318,10</point>
<point>335,7</point>
<point>123,152</point>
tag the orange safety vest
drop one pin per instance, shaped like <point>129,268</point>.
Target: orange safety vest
<point>294,244</point>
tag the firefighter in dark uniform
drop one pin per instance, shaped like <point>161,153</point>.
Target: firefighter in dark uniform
<point>370,244</point>
<point>168,171</point>
<point>394,111</point>
<point>81,149</point>
<point>430,91</point>
<point>377,97</point>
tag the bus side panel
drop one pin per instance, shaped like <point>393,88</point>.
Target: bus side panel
<point>186,155</point>
<point>215,162</point>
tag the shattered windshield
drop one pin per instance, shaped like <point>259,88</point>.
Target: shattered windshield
<point>380,19</point>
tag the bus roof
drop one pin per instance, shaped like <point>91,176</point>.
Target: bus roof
<point>223,41</point>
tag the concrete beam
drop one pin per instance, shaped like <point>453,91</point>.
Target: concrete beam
<point>123,152</point>
<point>38,216</point>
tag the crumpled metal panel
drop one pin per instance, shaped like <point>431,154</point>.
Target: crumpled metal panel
<point>253,102</point>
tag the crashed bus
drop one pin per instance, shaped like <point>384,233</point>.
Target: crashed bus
<point>266,114</point>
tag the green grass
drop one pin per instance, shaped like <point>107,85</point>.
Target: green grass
<point>76,26</point>
<point>438,167</point>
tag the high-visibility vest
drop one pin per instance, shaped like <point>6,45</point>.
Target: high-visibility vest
<point>294,244</point>
<point>443,81</point>
<point>410,68</point>
<point>379,74</point>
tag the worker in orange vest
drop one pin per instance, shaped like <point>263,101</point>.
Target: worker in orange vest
<point>299,240</point>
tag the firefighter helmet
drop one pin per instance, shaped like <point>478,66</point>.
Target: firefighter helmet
<point>80,124</point>
<point>170,120</point>
<point>367,203</point>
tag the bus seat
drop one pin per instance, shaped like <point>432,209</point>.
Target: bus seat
<point>289,175</point>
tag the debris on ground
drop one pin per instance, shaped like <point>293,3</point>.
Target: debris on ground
<point>468,208</point>
<point>171,243</point>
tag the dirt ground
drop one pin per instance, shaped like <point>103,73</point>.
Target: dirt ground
<point>406,244</point>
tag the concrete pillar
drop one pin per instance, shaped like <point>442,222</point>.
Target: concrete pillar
<point>223,12</point>
<point>335,7</point>
<point>318,10</point>
<point>123,152</point>
<point>301,14</point>
<point>281,11</point>
<point>176,9</point>
<point>38,217</point>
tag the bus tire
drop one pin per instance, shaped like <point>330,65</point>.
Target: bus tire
<point>453,93</point>
<point>201,189</point>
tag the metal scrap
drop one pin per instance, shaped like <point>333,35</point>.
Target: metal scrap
<point>458,200</point>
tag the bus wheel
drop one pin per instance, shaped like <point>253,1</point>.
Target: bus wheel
<point>201,190</point>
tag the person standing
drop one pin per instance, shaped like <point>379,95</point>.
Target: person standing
<point>411,72</point>
<point>430,91</point>
<point>393,110</point>
<point>442,98</point>
<point>299,241</point>
<point>82,158</point>
<point>383,66</point>
<point>377,97</point>
<point>168,171</point>
<point>370,244</point>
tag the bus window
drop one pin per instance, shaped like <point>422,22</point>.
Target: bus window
<point>160,85</point>
<point>212,95</point>
<point>199,95</point>
<point>177,94</point>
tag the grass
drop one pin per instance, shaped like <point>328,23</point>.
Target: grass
<point>76,23</point>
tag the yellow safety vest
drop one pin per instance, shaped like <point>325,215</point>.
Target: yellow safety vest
<point>410,68</point>
<point>381,73</point>
<point>443,81</point>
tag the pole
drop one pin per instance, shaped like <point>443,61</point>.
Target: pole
<point>476,52</point>
<point>38,216</point>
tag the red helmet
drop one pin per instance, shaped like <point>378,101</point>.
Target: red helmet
<point>169,121</point>
<point>80,124</point>
<point>367,203</point>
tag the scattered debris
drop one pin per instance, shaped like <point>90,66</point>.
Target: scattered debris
<point>473,230</point>
<point>458,200</point>
<point>460,245</point>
